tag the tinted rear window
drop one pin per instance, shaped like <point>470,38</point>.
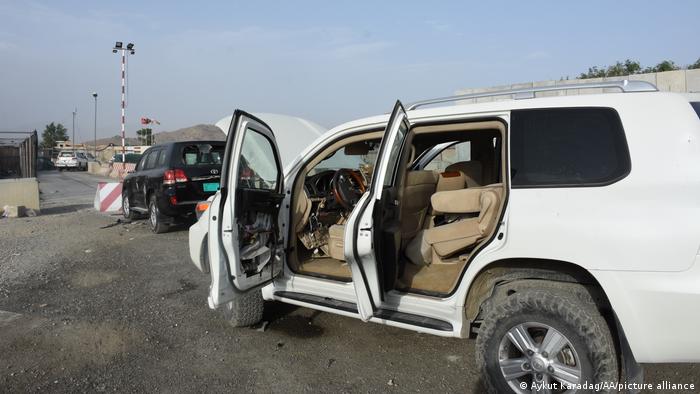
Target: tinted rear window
<point>696,107</point>
<point>202,154</point>
<point>567,147</point>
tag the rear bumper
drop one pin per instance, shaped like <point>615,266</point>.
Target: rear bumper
<point>657,311</point>
<point>66,165</point>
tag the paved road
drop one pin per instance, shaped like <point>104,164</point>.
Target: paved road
<point>64,191</point>
<point>92,305</point>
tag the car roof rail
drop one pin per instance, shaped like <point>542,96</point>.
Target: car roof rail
<point>625,86</point>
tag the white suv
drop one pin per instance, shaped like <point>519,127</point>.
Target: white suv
<point>561,232</point>
<point>71,160</point>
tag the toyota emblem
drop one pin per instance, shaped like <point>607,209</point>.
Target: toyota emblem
<point>214,171</point>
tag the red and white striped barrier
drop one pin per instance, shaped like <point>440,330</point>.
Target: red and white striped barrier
<point>108,197</point>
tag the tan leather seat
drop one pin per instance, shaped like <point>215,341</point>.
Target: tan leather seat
<point>302,210</point>
<point>336,241</point>
<point>419,186</point>
<point>472,170</point>
<point>451,180</point>
<point>437,243</point>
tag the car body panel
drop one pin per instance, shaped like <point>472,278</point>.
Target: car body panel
<point>638,237</point>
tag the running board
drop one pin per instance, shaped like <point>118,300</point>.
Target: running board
<point>384,314</point>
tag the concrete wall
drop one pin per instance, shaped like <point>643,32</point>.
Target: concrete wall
<point>679,81</point>
<point>22,191</point>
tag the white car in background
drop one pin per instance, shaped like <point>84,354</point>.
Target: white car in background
<point>563,232</point>
<point>71,161</point>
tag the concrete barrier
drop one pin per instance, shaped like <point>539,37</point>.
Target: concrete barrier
<point>21,191</point>
<point>108,197</point>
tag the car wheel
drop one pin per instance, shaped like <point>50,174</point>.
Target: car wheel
<point>245,310</point>
<point>126,208</point>
<point>155,219</point>
<point>545,339</point>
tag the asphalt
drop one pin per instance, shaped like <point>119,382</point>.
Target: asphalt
<point>93,304</point>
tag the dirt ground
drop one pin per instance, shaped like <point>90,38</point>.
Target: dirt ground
<point>91,305</point>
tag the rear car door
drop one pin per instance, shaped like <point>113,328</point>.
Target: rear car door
<point>245,243</point>
<point>375,229</point>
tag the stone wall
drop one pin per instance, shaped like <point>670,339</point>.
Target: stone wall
<point>679,81</point>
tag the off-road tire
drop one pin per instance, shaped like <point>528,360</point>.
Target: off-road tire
<point>127,211</point>
<point>155,219</point>
<point>571,313</point>
<point>245,310</point>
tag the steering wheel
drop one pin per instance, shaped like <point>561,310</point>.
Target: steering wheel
<point>348,187</point>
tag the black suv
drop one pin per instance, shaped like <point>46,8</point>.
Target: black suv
<point>170,179</point>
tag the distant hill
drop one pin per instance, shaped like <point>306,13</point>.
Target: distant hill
<point>194,133</point>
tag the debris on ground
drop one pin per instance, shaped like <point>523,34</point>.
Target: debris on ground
<point>391,382</point>
<point>14,211</point>
<point>118,222</point>
<point>262,326</point>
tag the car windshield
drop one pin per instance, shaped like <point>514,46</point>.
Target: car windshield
<point>202,154</point>
<point>360,156</point>
<point>66,154</point>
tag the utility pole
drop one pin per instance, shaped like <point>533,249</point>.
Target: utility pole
<point>72,142</point>
<point>94,94</point>
<point>129,49</point>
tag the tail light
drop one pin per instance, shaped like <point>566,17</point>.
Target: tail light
<point>170,177</point>
<point>173,200</point>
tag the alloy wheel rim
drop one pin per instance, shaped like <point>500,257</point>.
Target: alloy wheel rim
<point>154,219</point>
<point>125,205</point>
<point>535,357</point>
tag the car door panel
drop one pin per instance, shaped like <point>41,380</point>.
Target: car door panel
<point>378,209</point>
<point>246,244</point>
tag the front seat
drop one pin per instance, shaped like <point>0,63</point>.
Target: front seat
<point>336,242</point>
<point>435,244</point>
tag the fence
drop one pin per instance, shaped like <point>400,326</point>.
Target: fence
<point>18,154</point>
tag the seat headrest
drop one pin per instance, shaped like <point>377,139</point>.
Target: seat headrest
<point>421,177</point>
<point>451,180</point>
<point>471,169</point>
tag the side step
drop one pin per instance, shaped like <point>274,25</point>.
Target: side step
<point>385,314</point>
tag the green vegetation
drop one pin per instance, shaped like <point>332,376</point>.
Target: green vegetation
<point>52,133</point>
<point>145,136</point>
<point>631,67</point>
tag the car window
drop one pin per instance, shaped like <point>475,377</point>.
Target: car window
<point>142,163</point>
<point>161,158</point>
<point>567,147</point>
<point>696,107</point>
<point>357,155</point>
<point>203,154</point>
<point>65,154</point>
<point>258,165</point>
<point>456,153</point>
<point>394,151</point>
<point>151,160</point>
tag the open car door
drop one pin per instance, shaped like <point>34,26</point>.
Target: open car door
<point>245,243</point>
<point>375,231</point>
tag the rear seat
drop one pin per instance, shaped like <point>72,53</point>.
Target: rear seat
<point>434,244</point>
<point>472,170</point>
<point>420,186</point>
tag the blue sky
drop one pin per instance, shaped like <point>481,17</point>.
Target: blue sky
<point>197,61</point>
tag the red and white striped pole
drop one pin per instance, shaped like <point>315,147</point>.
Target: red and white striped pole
<point>123,109</point>
<point>130,49</point>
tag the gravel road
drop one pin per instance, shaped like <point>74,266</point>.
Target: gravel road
<point>92,305</point>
